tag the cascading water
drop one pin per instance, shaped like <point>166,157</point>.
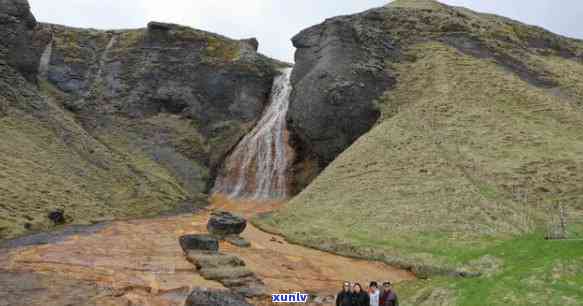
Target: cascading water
<point>257,166</point>
<point>45,61</point>
<point>104,56</point>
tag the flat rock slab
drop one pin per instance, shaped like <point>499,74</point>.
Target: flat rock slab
<point>238,241</point>
<point>222,223</point>
<point>201,297</point>
<point>210,260</point>
<point>228,270</point>
<point>200,242</point>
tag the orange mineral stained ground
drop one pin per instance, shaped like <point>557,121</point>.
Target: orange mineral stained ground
<point>140,261</point>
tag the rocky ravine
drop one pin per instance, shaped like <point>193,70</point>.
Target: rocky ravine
<point>110,124</point>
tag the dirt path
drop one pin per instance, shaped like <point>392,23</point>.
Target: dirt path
<point>140,261</point>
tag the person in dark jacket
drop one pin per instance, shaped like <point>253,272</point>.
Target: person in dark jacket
<point>344,297</point>
<point>388,296</point>
<point>359,296</point>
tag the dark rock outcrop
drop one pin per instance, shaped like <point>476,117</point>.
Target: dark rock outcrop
<point>339,72</point>
<point>222,223</point>
<point>218,84</point>
<point>199,242</point>
<point>252,43</point>
<point>203,297</point>
<point>16,29</point>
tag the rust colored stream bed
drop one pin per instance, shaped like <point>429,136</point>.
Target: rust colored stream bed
<point>139,262</point>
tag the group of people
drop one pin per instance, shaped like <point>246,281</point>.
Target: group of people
<point>352,294</point>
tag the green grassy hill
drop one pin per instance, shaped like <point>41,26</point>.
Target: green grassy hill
<point>463,173</point>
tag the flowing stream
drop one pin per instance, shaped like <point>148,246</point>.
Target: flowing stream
<point>257,166</point>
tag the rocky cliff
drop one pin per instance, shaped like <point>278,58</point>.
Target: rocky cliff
<point>345,65</point>
<point>121,123</point>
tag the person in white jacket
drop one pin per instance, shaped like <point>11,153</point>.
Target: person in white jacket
<point>374,293</point>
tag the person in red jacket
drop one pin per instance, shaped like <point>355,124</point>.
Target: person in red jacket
<point>388,296</point>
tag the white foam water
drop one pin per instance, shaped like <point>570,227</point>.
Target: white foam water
<point>45,62</point>
<point>257,166</point>
<point>104,58</point>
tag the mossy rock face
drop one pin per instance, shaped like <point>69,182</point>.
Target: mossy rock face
<point>120,123</point>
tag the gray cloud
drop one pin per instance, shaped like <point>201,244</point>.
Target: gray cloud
<point>275,22</point>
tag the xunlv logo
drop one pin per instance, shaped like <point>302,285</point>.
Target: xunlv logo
<point>289,297</point>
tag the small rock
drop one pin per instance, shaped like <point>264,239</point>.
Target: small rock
<point>223,223</point>
<point>57,216</point>
<point>199,242</point>
<point>205,297</point>
<point>237,240</point>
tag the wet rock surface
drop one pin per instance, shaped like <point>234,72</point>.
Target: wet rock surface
<point>200,297</point>
<point>199,242</point>
<point>237,240</point>
<point>229,270</point>
<point>140,262</point>
<point>222,223</point>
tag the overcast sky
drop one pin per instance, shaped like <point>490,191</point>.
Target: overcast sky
<point>274,22</point>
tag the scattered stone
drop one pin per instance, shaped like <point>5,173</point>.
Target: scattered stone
<point>228,270</point>
<point>57,216</point>
<point>201,242</point>
<point>224,223</point>
<point>237,240</point>
<point>203,297</point>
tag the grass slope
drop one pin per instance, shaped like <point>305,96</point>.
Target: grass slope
<point>51,162</point>
<point>466,162</point>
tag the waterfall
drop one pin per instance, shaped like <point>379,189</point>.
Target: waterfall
<point>257,166</point>
<point>103,59</point>
<point>45,62</point>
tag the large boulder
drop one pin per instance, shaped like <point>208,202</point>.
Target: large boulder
<point>222,223</point>
<point>202,297</point>
<point>199,242</point>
